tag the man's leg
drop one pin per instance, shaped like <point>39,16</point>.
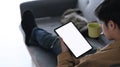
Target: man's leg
<point>27,24</point>
<point>46,40</point>
<point>37,36</point>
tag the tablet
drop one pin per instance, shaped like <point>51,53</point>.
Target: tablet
<point>73,39</point>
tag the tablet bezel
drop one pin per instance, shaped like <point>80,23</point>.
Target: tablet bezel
<point>68,46</point>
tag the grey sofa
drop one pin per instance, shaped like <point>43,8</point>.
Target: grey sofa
<point>42,9</point>
<point>47,14</point>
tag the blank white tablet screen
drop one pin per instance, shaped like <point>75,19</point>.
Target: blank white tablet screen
<point>73,39</point>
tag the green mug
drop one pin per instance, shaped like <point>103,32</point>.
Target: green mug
<point>94,29</point>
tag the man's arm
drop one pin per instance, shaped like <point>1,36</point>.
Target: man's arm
<point>65,60</point>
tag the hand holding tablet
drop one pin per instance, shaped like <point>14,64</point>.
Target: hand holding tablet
<point>73,39</point>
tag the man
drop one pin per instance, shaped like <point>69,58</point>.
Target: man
<point>109,13</point>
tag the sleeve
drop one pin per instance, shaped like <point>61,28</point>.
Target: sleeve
<point>65,60</point>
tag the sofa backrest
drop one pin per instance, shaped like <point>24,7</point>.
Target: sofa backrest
<point>45,8</point>
<point>88,7</point>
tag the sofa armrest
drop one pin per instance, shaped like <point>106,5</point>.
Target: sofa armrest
<point>45,8</point>
<point>42,57</point>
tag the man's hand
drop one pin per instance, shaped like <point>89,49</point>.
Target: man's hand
<point>63,46</point>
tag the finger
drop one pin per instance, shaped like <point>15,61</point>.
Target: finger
<point>64,48</point>
<point>61,40</point>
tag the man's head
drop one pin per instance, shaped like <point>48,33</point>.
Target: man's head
<point>109,13</point>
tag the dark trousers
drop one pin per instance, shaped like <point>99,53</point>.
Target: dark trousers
<point>45,40</point>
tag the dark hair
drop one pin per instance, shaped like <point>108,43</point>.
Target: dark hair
<point>109,10</point>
